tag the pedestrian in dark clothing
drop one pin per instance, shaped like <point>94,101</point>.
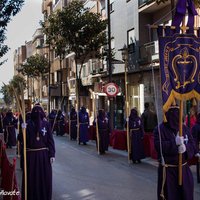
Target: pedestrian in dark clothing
<point>149,119</point>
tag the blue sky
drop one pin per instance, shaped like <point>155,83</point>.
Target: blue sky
<point>19,30</point>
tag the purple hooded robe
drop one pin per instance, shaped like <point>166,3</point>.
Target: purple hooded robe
<point>83,125</point>
<point>73,120</point>
<point>60,126</point>
<point>9,124</point>
<point>168,131</point>
<point>104,130</point>
<point>136,136</point>
<point>40,148</point>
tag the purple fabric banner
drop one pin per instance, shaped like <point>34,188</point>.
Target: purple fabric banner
<point>179,68</point>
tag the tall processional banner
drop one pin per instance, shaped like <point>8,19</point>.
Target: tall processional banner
<point>179,68</point>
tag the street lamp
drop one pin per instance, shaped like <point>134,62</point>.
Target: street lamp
<point>49,90</point>
<point>125,57</point>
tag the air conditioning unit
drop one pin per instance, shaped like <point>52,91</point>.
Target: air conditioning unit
<point>44,88</point>
<point>71,74</point>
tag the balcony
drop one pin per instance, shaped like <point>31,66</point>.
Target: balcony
<point>44,6</point>
<point>145,53</point>
<point>97,67</point>
<point>150,6</point>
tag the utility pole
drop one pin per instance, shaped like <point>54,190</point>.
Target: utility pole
<point>110,65</point>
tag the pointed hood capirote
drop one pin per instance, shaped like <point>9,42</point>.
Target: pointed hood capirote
<point>83,109</point>
<point>172,116</point>
<point>133,114</point>
<point>37,116</point>
<point>102,114</point>
<point>9,115</point>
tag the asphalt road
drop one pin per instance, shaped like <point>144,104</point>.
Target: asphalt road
<point>79,173</point>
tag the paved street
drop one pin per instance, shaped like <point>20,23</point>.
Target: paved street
<point>80,173</point>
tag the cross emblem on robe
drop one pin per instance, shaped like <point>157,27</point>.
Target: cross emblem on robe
<point>44,131</point>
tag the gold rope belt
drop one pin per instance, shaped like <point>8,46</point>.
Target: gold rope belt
<point>164,177</point>
<point>10,126</point>
<point>134,129</point>
<point>36,149</point>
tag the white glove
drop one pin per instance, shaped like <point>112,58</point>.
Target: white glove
<point>127,119</point>
<point>181,148</point>
<point>95,120</point>
<point>52,160</point>
<point>179,140</point>
<point>197,155</point>
<point>68,113</point>
<point>18,123</point>
<point>24,125</point>
<point>3,130</point>
<point>88,126</point>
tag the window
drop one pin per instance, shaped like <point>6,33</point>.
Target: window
<point>84,71</point>
<point>55,77</point>
<point>112,7</point>
<point>131,40</point>
<point>71,64</point>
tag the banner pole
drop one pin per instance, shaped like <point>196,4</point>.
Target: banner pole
<point>24,137</point>
<point>95,113</point>
<point>77,102</point>
<point>18,132</point>
<point>13,177</point>
<point>127,109</point>
<point>69,127</point>
<point>180,134</point>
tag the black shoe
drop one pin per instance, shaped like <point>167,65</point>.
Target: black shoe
<point>79,143</point>
<point>134,161</point>
<point>84,143</point>
<point>139,161</point>
<point>101,152</point>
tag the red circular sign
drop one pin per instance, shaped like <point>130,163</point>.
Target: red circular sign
<point>111,89</point>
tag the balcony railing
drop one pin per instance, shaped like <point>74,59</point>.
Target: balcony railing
<point>146,52</point>
<point>97,67</point>
<point>141,2</point>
